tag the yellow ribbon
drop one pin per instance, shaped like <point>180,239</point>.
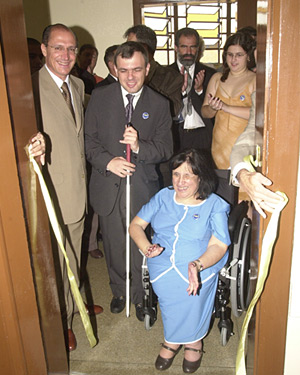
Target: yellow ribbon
<point>56,229</point>
<point>266,253</point>
<point>253,162</point>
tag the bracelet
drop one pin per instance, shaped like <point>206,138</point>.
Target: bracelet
<point>198,264</point>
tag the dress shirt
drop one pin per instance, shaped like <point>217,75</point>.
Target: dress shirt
<point>192,121</point>
<point>136,97</point>
<point>59,82</point>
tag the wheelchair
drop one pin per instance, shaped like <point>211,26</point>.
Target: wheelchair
<point>150,299</point>
<point>234,278</point>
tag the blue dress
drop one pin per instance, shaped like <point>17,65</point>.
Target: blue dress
<point>184,231</point>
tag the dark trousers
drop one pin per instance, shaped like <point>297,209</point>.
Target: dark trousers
<point>113,229</point>
<point>199,138</point>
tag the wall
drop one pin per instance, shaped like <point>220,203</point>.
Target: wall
<point>100,22</point>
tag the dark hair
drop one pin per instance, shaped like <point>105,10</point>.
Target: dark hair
<point>202,166</point>
<point>248,29</point>
<point>187,31</point>
<point>143,35</point>
<point>127,49</point>
<point>246,42</point>
<point>58,26</point>
<point>110,53</point>
<point>87,46</point>
<point>33,41</point>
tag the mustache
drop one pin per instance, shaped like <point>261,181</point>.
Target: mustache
<point>189,55</point>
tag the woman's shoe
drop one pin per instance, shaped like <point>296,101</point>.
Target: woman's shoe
<point>164,363</point>
<point>188,366</point>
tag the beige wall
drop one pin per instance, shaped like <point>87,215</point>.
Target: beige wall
<point>101,22</point>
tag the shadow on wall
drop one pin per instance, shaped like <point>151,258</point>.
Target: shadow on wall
<point>83,36</point>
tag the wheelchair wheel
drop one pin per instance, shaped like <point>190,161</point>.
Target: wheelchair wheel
<point>150,317</point>
<point>225,335</point>
<point>147,322</point>
<point>240,273</point>
<point>244,285</point>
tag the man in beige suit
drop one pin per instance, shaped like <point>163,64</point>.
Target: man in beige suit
<point>60,117</point>
<point>253,183</point>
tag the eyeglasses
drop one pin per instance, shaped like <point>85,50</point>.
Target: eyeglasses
<point>238,55</point>
<point>60,49</point>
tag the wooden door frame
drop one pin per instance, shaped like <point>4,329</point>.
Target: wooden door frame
<point>277,100</point>
<point>31,333</point>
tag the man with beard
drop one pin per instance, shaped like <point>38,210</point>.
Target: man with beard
<point>191,129</point>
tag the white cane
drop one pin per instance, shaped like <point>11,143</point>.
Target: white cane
<point>127,235</point>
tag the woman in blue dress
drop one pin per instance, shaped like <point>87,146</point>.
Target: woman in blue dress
<point>188,249</point>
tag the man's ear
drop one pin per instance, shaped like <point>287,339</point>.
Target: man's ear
<point>44,49</point>
<point>147,68</point>
<point>115,70</point>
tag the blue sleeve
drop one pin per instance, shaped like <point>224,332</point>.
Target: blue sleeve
<point>219,221</point>
<point>150,209</point>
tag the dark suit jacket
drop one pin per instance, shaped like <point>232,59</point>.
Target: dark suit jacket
<point>197,100</point>
<point>168,83</point>
<point>104,126</point>
<point>65,150</point>
<point>107,81</point>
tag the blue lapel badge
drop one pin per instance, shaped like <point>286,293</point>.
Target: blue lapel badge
<point>196,216</point>
<point>242,98</point>
<point>145,115</point>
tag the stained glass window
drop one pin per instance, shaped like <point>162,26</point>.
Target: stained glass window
<point>214,21</point>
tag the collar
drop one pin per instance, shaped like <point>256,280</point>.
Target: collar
<point>136,96</point>
<point>58,80</point>
<point>191,69</point>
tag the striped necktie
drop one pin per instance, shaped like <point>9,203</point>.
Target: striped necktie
<point>67,96</point>
<point>129,107</point>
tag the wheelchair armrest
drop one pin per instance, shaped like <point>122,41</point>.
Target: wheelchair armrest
<point>236,216</point>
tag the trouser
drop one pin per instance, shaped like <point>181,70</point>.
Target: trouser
<point>113,228</point>
<point>72,237</point>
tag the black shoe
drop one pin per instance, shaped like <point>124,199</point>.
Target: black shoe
<point>117,304</point>
<point>164,363</point>
<point>139,311</point>
<point>190,367</point>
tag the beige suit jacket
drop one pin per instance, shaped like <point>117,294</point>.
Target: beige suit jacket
<point>66,173</point>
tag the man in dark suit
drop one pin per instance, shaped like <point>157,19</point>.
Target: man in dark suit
<point>191,129</point>
<point>109,62</point>
<point>106,137</point>
<point>65,173</point>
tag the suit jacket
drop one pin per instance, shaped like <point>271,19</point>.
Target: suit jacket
<point>104,126</point>
<point>168,83</point>
<point>65,172</point>
<point>107,81</point>
<point>197,100</point>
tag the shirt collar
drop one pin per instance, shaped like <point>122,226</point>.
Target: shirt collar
<point>136,96</point>
<point>58,80</point>
<point>191,69</point>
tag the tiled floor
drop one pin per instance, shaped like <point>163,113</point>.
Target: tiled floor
<point>126,348</point>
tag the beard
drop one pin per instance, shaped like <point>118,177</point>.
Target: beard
<point>187,59</point>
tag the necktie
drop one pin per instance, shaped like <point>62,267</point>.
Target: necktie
<point>67,96</point>
<point>129,107</point>
<point>189,92</point>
